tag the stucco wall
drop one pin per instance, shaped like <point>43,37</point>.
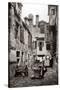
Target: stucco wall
<point>12,55</point>
<point>44,51</point>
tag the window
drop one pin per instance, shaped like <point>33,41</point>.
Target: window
<point>29,41</point>
<point>17,60</point>
<point>53,11</point>
<point>48,46</point>
<point>17,53</point>
<point>42,29</point>
<point>21,34</point>
<point>40,46</point>
<point>16,29</point>
<point>22,56</point>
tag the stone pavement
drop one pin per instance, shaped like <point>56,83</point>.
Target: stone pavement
<point>50,78</point>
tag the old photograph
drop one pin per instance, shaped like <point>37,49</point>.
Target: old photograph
<point>32,44</point>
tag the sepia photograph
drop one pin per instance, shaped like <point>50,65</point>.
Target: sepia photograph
<point>32,44</point>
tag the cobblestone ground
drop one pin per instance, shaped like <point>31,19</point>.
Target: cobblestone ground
<point>50,78</point>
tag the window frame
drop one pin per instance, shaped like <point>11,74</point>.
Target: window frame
<point>48,48</point>
<point>40,45</point>
<point>18,54</point>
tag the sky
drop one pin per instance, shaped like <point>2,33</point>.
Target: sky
<point>35,8</point>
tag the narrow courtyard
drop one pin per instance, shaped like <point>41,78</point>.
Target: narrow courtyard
<point>33,46</point>
<point>50,78</point>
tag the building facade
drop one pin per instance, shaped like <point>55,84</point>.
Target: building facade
<point>53,30</point>
<point>53,27</point>
<point>20,38</point>
<point>41,39</point>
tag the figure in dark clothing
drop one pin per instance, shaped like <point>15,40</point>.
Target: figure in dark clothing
<point>51,62</point>
<point>26,71</point>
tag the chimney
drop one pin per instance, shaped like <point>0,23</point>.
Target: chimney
<point>37,20</point>
<point>26,20</point>
<point>30,19</point>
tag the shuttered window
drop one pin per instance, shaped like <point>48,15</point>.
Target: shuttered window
<point>47,46</point>
<point>17,53</point>
<point>42,29</point>
<point>21,34</point>
<point>29,41</point>
<point>40,46</point>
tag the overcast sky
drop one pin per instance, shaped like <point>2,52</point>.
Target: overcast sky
<point>35,8</point>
